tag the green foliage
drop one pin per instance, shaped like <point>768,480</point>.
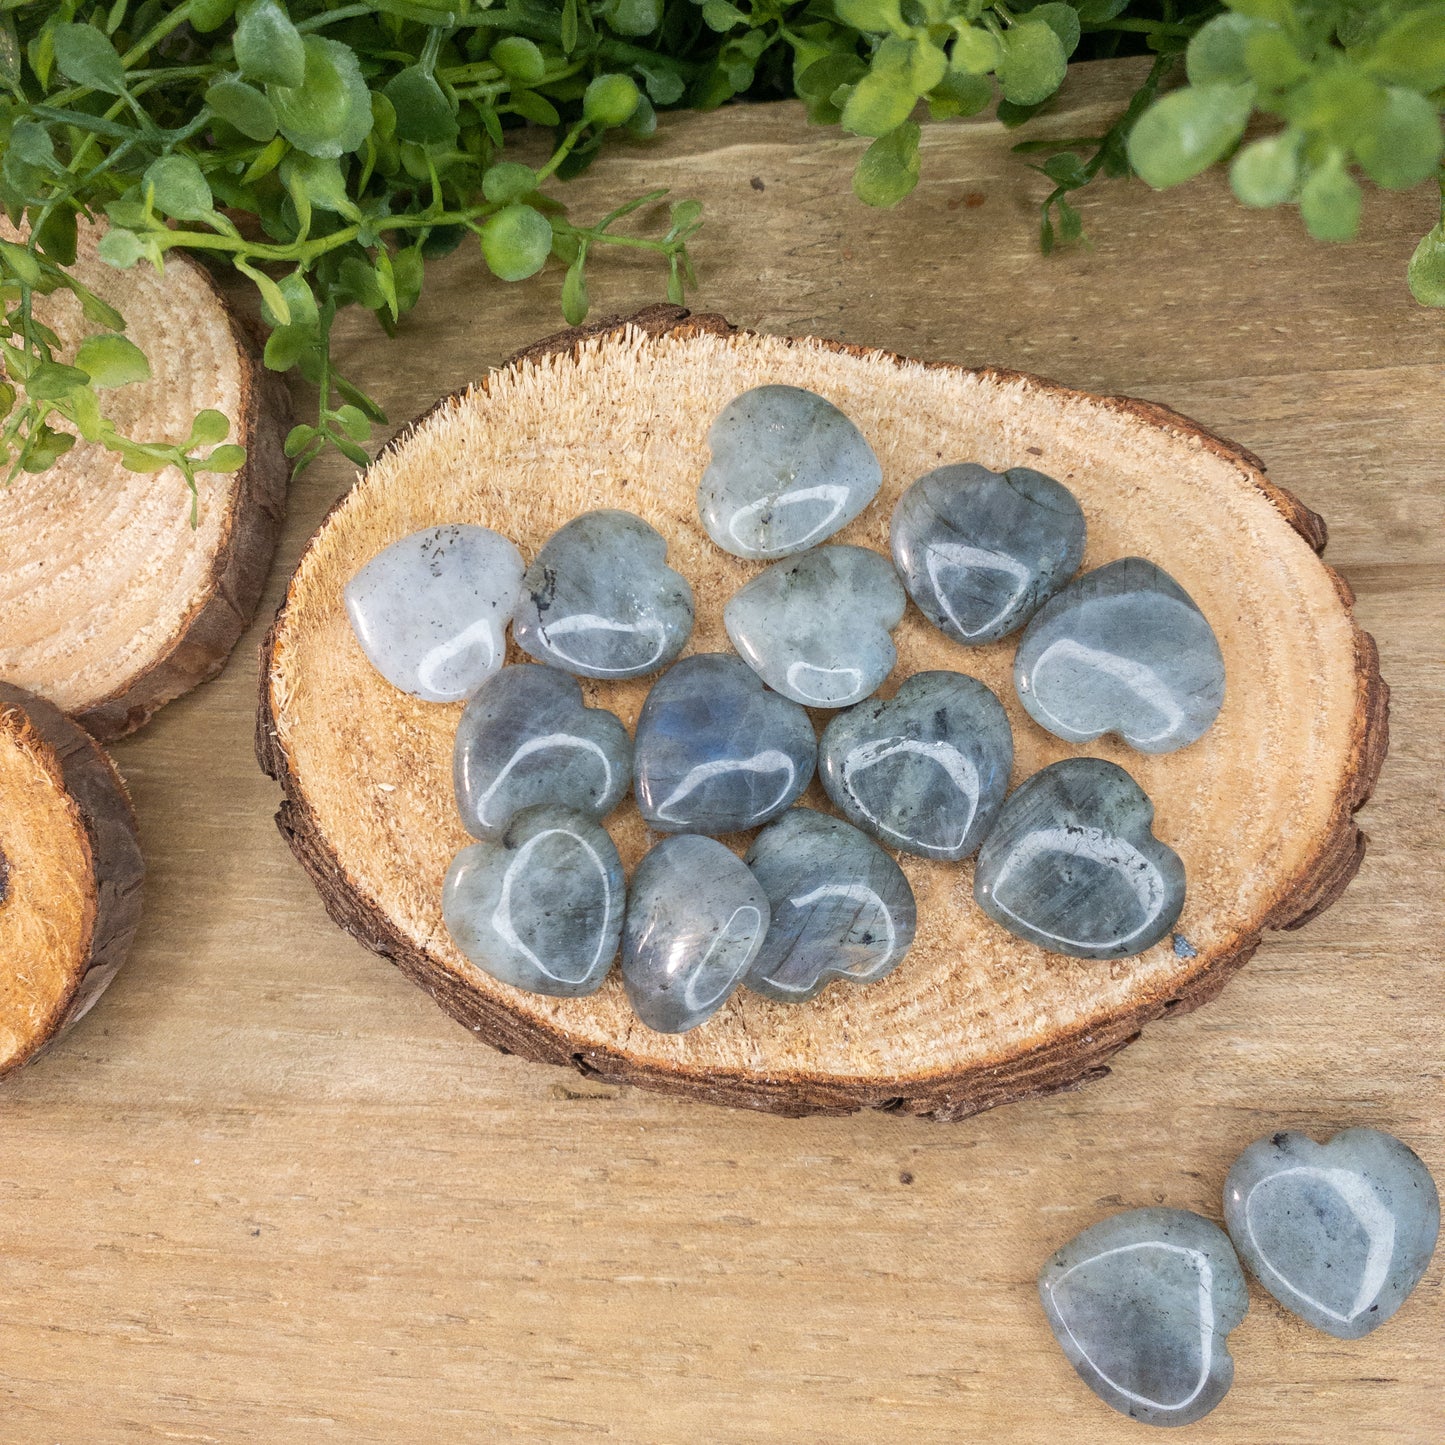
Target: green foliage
<point>326,150</point>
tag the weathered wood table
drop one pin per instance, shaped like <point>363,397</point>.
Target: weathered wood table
<point>268,1193</point>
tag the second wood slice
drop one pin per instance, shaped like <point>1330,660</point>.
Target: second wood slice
<point>1261,809</point>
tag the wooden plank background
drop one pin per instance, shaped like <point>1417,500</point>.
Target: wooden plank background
<point>268,1193</point>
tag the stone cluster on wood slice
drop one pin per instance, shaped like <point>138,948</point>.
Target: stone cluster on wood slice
<point>724,745</point>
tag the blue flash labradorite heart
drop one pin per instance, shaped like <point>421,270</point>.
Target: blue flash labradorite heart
<point>815,628</point>
<point>601,601</point>
<point>1339,1232</point>
<point>1071,864</point>
<point>1142,1305</point>
<point>525,739</point>
<point>716,752</point>
<point>542,908</point>
<point>981,551</point>
<point>788,470</point>
<point>696,920</point>
<point>431,611</point>
<point>841,907</point>
<point>1122,649</point>
<point>924,771</point>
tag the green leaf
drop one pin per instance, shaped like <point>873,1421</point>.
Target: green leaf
<point>244,107</point>
<point>407,271</point>
<point>354,422</point>
<point>519,59</point>
<point>209,427</point>
<point>1216,53</point>
<point>888,170</point>
<point>1412,50</point>
<point>297,438</point>
<point>575,302</point>
<point>975,51</point>
<point>269,48</point>
<point>959,94</point>
<point>1186,131</point>
<point>284,347</point>
<point>121,249</point>
<point>112,360</point>
<point>884,98</point>
<point>21,263</point>
<point>50,381</point>
<point>722,16</point>
<point>179,188</point>
<point>508,181</point>
<point>138,458</point>
<point>568,27</point>
<point>516,242</point>
<point>96,311</point>
<point>634,17</point>
<point>610,100</point>
<point>329,113</point>
<point>1266,172</point>
<point>874,16</point>
<point>359,280</point>
<point>1402,147</point>
<point>534,107</point>
<point>423,113</point>
<point>1034,63</point>
<point>1063,20</point>
<point>229,458</point>
<point>1329,202</point>
<point>663,84</point>
<point>209,15</point>
<point>318,183</point>
<point>1273,59</point>
<point>31,143</point>
<point>1427,268</point>
<point>85,56</point>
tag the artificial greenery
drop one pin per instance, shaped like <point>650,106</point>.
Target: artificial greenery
<point>327,150</point>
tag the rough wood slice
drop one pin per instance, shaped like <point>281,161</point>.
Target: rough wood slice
<point>113,604</point>
<point>70,874</point>
<point>1261,809</point>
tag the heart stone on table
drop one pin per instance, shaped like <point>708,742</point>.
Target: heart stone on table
<point>1122,649</point>
<point>600,600</point>
<point>1339,1232</point>
<point>696,920</point>
<point>1142,1304</point>
<point>925,771</point>
<point>1072,865</point>
<point>526,738</point>
<point>542,908</point>
<point>716,752</point>
<point>981,551</point>
<point>841,907</point>
<point>431,611</point>
<point>788,470</point>
<point>815,628</point>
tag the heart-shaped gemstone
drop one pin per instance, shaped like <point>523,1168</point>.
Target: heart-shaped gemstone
<point>841,907</point>
<point>1142,1304</point>
<point>981,551</point>
<point>601,601</point>
<point>716,752</point>
<point>431,611</point>
<point>696,919</point>
<point>1122,649</point>
<point>788,470</point>
<point>1071,864</point>
<point>525,739</point>
<point>542,908</point>
<point>925,771</point>
<point>1339,1232</point>
<point>815,628</point>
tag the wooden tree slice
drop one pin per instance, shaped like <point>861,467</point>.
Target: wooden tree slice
<point>113,603</point>
<point>70,874</point>
<point>1261,809</point>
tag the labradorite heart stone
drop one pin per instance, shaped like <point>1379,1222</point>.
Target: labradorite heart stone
<point>601,601</point>
<point>981,551</point>
<point>1339,1232</point>
<point>1123,649</point>
<point>788,470</point>
<point>1071,864</point>
<point>1142,1304</point>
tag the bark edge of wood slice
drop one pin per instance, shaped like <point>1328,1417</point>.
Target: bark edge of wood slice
<point>1261,809</point>
<point>71,874</point>
<point>114,605</point>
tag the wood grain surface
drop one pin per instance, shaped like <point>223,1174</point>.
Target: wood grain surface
<point>266,1192</point>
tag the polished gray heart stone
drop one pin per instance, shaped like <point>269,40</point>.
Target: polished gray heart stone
<point>601,601</point>
<point>1124,650</point>
<point>1071,864</point>
<point>1142,1304</point>
<point>695,921</point>
<point>542,908</point>
<point>815,628</point>
<point>841,907</point>
<point>1339,1232</point>
<point>925,771</point>
<point>981,551</point>
<point>431,611</point>
<point>716,751</point>
<point>526,738</point>
<point>788,470</point>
